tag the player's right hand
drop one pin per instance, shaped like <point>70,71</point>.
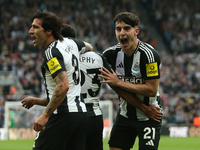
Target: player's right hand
<point>40,122</point>
<point>27,102</point>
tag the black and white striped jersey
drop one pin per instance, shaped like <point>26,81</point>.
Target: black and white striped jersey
<point>63,56</point>
<point>144,64</point>
<point>90,63</point>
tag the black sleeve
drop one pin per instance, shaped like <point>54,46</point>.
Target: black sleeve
<point>150,70</point>
<point>80,44</point>
<point>54,63</point>
<point>105,63</point>
<point>110,57</point>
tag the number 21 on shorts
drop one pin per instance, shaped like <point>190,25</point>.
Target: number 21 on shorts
<point>149,133</point>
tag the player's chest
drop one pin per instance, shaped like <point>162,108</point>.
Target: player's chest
<point>128,66</point>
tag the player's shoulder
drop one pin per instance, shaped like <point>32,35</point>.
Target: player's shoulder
<point>146,48</point>
<point>148,52</point>
<point>52,50</point>
<point>68,41</point>
<point>113,48</point>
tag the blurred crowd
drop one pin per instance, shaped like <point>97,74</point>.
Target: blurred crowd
<point>93,20</point>
<point>178,21</point>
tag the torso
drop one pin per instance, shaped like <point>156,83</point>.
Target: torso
<point>90,63</point>
<point>133,70</point>
<point>63,56</point>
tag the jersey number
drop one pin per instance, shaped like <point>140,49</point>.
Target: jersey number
<point>148,133</point>
<point>94,81</point>
<point>76,70</point>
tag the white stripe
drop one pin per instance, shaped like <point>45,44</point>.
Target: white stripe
<point>151,54</point>
<point>48,51</point>
<point>148,52</point>
<point>47,54</point>
<point>151,142</point>
<point>142,48</point>
<point>120,59</point>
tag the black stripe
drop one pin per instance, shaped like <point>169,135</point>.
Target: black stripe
<point>78,104</point>
<point>131,111</point>
<point>63,108</point>
<point>146,101</point>
<point>90,111</point>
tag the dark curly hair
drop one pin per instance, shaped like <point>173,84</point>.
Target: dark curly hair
<point>50,22</point>
<point>128,18</point>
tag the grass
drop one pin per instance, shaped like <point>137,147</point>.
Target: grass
<point>166,143</point>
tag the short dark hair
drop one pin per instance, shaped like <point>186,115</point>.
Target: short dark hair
<point>128,18</point>
<point>50,22</point>
<point>68,31</point>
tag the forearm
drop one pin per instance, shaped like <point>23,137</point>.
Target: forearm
<point>40,101</point>
<point>57,98</point>
<point>130,98</point>
<point>148,89</point>
<point>134,88</point>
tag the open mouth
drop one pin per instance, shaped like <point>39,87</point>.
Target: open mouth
<point>124,41</point>
<point>34,39</point>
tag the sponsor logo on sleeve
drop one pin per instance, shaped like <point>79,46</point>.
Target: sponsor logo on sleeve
<point>152,69</point>
<point>53,65</point>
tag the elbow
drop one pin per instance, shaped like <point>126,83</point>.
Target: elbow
<point>66,88</point>
<point>153,93</point>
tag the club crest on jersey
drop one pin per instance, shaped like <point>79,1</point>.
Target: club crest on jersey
<point>136,67</point>
<point>53,65</point>
<point>152,69</point>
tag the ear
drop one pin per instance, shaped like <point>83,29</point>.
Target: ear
<point>137,31</point>
<point>49,32</point>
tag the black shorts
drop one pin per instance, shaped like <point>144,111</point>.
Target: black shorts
<point>125,131</point>
<point>62,132</point>
<point>94,138</point>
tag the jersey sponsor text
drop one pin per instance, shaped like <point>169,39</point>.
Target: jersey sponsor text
<point>87,59</point>
<point>132,79</point>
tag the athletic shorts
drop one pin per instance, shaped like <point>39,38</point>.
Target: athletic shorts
<point>94,138</point>
<point>125,131</point>
<point>62,132</point>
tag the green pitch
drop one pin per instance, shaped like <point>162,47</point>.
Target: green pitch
<point>166,143</point>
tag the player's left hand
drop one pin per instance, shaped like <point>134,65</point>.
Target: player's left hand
<point>154,113</point>
<point>110,78</point>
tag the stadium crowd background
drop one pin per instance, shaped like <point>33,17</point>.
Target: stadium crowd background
<point>179,25</point>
